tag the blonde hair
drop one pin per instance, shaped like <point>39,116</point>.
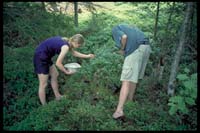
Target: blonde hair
<point>78,38</point>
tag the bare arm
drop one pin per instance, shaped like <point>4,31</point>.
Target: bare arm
<point>60,58</point>
<point>123,41</point>
<point>80,55</point>
<point>123,44</point>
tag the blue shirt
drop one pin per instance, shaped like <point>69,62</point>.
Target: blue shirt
<point>51,47</point>
<point>135,37</point>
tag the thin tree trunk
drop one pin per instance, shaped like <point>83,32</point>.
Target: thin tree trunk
<point>158,69</point>
<point>161,70</point>
<point>164,44</point>
<point>76,13</point>
<point>186,26</point>
<point>43,6</point>
<point>66,6</point>
<point>156,22</point>
<point>170,17</point>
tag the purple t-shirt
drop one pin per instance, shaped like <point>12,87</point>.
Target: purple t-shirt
<point>51,47</point>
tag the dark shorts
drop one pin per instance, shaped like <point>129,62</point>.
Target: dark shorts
<point>41,63</point>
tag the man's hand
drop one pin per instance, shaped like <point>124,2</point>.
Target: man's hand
<point>120,52</point>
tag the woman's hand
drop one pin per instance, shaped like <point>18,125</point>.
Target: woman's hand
<point>91,56</point>
<point>69,72</point>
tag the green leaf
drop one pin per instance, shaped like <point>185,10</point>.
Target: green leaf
<point>182,106</point>
<point>189,101</point>
<point>189,84</point>
<point>170,104</point>
<point>175,99</point>
<point>182,76</point>
<point>193,94</point>
<point>186,70</point>
<point>177,103</point>
<point>194,76</point>
<point>172,110</point>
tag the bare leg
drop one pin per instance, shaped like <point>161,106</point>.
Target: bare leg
<point>42,86</point>
<point>54,81</point>
<point>132,88</point>
<point>122,98</point>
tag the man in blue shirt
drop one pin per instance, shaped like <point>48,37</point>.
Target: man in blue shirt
<point>134,45</point>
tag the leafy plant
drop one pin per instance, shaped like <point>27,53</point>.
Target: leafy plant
<point>187,94</point>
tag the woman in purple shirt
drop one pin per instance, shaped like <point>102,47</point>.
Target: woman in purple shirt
<point>44,66</point>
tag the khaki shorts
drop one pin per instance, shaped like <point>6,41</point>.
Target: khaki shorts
<point>135,64</point>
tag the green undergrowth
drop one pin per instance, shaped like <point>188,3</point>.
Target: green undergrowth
<point>89,99</point>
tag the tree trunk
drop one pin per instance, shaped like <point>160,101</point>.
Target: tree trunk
<point>161,65</point>
<point>170,17</point>
<point>164,44</point>
<point>43,6</point>
<point>76,14</point>
<point>156,22</point>
<point>183,40</point>
<point>66,6</point>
